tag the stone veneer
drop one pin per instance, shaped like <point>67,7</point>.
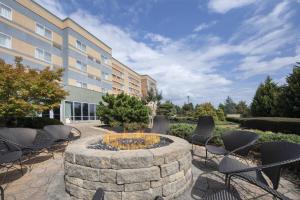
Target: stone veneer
<point>128,174</point>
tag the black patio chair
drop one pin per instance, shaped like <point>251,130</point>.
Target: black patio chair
<point>30,141</point>
<point>161,124</point>
<point>2,192</point>
<point>203,131</point>
<point>10,155</point>
<point>99,195</point>
<point>274,156</point>
<point>62,133</point>
<point>233,140</point>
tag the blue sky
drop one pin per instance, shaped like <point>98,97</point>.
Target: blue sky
<point>205,49</point>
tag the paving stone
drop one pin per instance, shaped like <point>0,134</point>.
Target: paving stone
<point>81,172</point>
<point>132,159</point>
<point>91,185</point>
<point>137,186</point>
<point>103,162</point>
<point>138,175</point>
<point>107,175</point>
<point>142,195</point>
<point>168,169</point>
<point>113,196</point>
<point>173,187</point>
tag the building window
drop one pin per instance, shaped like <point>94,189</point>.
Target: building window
<point>81,66</point>
<point>43,55</point>
<point>5,11</point>
<point>85,111</point>
<point>69,110</point>
<point>81,84</point>
<point>77,111</point>
<point>80,111</point>
<point>92,111</point>
<point>105,59</point>
<point>80,46</point>
<point>5,40</point>
<point>105,75</point>
<point>43,31</point>
<point>104,90</point>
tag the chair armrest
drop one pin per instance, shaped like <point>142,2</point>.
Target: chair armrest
<point>261,167</point>
<point>78,131</point>
<point>242,147</point>
<point>210,138</point>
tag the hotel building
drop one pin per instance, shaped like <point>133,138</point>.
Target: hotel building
<point>125,80</point>
<point>42,39</point>
<point>147,84</point>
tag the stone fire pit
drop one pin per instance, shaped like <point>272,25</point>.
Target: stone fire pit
<point>139,174</point>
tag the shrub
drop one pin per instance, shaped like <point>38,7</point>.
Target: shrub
<point>185,130</point>
<point>182,130</point>
<point>187,120</point>
<point>234,119</point>
<point>29,122</point>
<point>220,115</point>
<point>135,126</point>
<point>206,109</point>
<point>122,108</point>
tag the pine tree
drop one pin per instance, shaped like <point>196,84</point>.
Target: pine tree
<point>229,106</point>
<point>264,101</point>
<point>290,97</point>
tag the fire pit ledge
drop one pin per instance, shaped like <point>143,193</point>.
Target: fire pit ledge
<point>128,174</point>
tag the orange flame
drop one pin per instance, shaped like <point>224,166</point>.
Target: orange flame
<point>142,140</point>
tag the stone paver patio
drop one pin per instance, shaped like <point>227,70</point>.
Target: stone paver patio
<point>46,179</point>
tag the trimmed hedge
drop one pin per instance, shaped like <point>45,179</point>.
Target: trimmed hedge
<point>186,130</point>
<point>274,124</point>
<point>29,122</point>
<point>186,120</point>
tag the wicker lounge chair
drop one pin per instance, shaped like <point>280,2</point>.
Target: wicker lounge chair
<point>30,141</point>
<point>274,155</point>
<point>2,192</point>
<point>62,133</point>
<point>233,140</point>
<point>160,124</point>
<point>10,155</point>
<point>203,131</point>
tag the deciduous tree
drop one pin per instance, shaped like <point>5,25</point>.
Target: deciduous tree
<point>27,92</point>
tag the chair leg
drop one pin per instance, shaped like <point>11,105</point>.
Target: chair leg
<point>20,163</point>
<point>205,156</point>
<point>2,193</point>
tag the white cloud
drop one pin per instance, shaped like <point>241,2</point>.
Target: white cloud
<point>182,68</point>
<point>223,6</point>
<point>157,38</point>
<point>204,26</point>
<point>255,65</point>
<point>269,35</point>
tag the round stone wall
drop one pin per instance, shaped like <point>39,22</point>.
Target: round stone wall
<point>128,174</point>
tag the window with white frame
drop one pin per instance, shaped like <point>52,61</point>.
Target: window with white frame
<point>81,84</point>
<point>43,31</point>
<point>105,75</point>
<point>43,55</point>
<point>81,66</point>
<point>80,46</point>
<point>80,111</point>
<point>105,59</point>
<point>5,11</point>
<point>5,40</point>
